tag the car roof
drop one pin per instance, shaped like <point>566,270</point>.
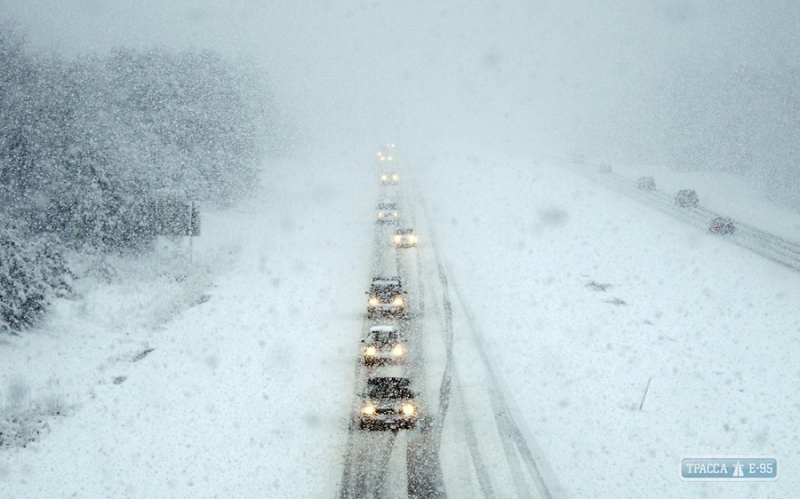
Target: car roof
<point>383,329</point>
<point>386,280</point>
<point>389,387</point>
<point>390,381</point>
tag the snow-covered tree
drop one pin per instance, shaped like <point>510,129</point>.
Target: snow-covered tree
<point>32,272</point>
<point>89,146</point>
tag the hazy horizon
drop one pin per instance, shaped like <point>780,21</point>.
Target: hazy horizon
<point>685,83</point>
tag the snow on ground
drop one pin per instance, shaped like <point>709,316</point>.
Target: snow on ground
<point>585,295</point>
<point>244,395</point>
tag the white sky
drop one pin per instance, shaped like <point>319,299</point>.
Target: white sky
<point>537,76</point>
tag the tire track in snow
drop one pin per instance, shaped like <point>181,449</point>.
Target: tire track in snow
<point>446,388</point>
<point>507,423</point>
<point>510,427</point>
<point>425,479</point>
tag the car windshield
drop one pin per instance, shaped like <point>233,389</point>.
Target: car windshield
<point>393,388</point>
<point>385,289</point>
<point>383,336</point>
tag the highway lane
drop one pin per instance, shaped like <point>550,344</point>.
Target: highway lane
<point>470,442</point>
<point>775,248</point>
<point>386,463</point>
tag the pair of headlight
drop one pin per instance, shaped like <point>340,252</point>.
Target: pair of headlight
<point>408,409</point>
<point>372,351</point>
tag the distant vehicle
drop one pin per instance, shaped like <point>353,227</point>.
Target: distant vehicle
<point>383,345</point>
<point>387,213</point>
<point>390,178</point>
<point>386,297</point>
<point>722,225</point>
<point>405,238</point>
<point>647,183</point>
<point>687,198</point>
<point>604,168</point>
<point>388,404</point>
<point>387,153</point>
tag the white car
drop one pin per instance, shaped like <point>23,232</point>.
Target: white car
<point>387,213</point>
<point>383,345</point>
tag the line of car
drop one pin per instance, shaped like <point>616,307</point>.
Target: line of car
<point>388,401</point>
<point>685,198</point>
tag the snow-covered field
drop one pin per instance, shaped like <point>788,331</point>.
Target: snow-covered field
<point>583,297</point>
<point>245,395</point>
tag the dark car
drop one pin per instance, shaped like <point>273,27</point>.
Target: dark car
<point>722,225</point>
<point>687,198</point>
<point>388,404</point>
<point>647,183</point>
<point>386,296</point>
<point>383,345</point>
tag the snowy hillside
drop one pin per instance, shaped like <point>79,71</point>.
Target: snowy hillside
<point>582,295</point>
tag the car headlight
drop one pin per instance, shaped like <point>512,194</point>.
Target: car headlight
<point>371,351</point>
<point>395,214</point>
<point>397,301</point>
<point>395,177</point>
<point>384,178</point>
<point>368,409</point>
<point>373,301</point>
<point>381,214</point>
<point>398,239</point>
<point>412,238</point>
<point>408,409</point>
<point>398,351</point>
